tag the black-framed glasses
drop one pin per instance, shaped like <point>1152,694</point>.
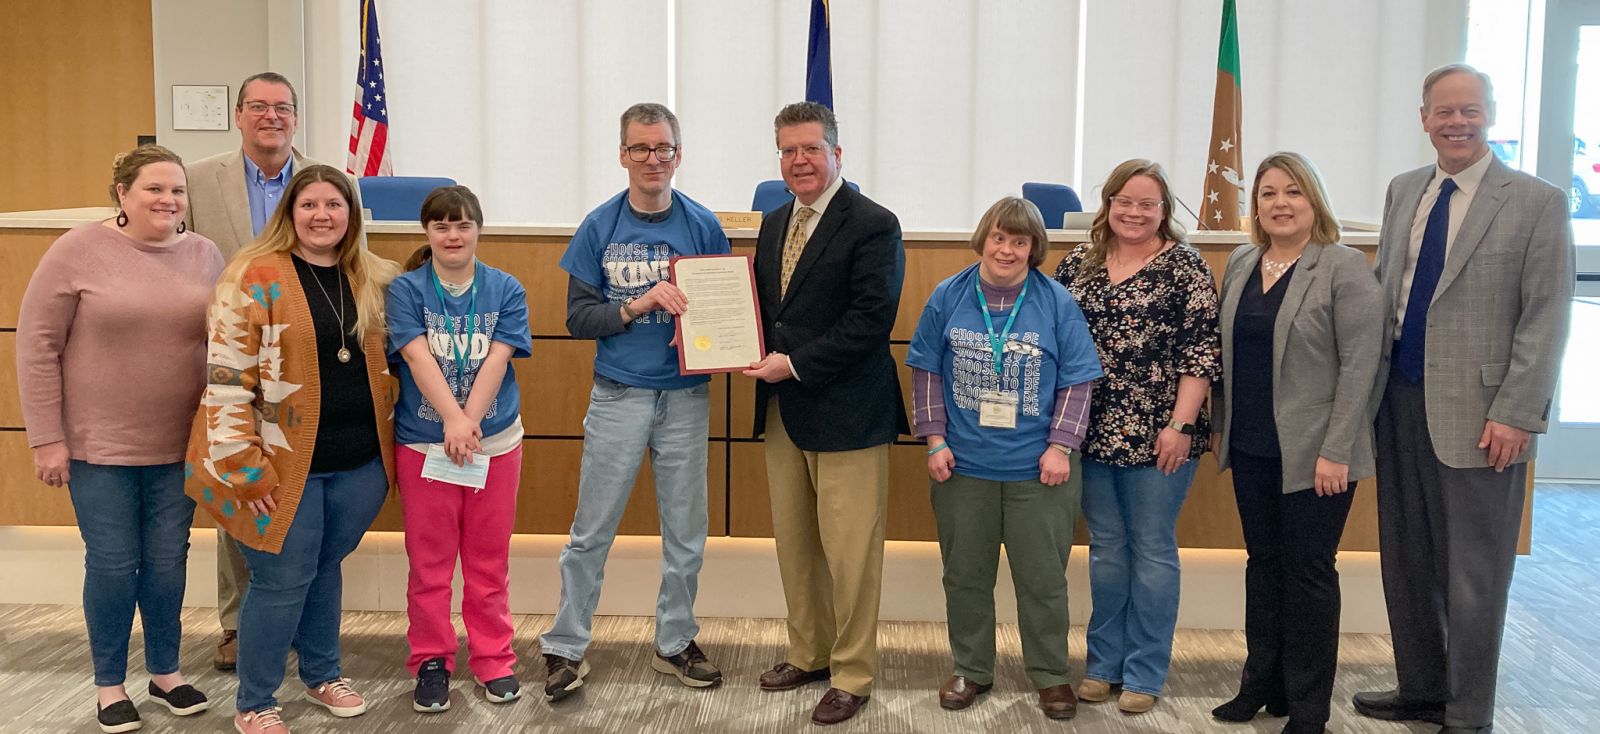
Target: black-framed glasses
<point>259,109</point>
<point>641,153</point>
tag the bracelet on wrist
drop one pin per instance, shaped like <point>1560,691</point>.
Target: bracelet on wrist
<point>936,449</point>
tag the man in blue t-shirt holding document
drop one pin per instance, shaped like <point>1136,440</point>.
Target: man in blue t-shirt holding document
<point>618,294</point>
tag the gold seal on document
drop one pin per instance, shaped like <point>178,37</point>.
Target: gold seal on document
<point>702,343</point>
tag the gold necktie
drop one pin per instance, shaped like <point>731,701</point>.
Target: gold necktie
<point>793,246</point>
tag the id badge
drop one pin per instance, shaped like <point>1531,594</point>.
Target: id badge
<point>997,409</point>
<point>438,467</point>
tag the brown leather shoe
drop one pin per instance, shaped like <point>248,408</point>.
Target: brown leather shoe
<point>837,706</point>
<point>1058,702</point>
<point>786,677</point>
<point>959,692</point>
<point>227,651</point>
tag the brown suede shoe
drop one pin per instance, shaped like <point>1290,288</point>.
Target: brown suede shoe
<point>837,706</point>
<point>227,651</point>
<point>959,692</point>
<point>786,677</point>
<point>1058,702</point>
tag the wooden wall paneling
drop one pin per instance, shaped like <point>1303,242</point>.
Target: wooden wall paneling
<point>10,399</point>
<point>20,250</point>
<point>28,501</point>
<point>927,265</point>
<point>79,87</point>
<point>555,384</point>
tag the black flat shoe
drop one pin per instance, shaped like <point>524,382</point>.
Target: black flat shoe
<point>118,717</point>
<point>185,700</point>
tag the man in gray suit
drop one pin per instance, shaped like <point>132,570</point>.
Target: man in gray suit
<point>1476,263</point>
<point>231,197</point>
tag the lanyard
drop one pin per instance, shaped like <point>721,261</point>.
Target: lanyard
<point>998,342</point>
<point>459,352</point>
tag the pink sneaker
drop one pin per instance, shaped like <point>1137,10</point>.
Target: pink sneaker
<point>260,722</point>
<point>338,698</point>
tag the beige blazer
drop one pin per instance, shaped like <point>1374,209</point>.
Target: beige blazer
<point>219,206</point>
<point>1325,346</point>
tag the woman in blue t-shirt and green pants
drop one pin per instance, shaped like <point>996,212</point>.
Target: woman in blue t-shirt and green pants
<point>454,326</point>
<point>1002,367</point>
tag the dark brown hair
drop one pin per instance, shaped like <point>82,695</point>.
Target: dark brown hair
<point>445,204</point>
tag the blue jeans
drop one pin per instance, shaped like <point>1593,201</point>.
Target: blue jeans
<point>295,595</point>
<point>622,422</point>
<point>135,525</point>
<point>1132,514</point>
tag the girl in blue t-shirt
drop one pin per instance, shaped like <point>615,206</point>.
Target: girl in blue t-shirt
<point>454,326</point>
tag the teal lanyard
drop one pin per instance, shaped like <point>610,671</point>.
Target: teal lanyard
<point>997,342</point>
<point>462,353</point>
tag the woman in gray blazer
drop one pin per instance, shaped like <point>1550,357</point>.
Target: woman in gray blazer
<point>1301,326</point>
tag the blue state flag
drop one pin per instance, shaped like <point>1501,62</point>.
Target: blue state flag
<point>819,57</point>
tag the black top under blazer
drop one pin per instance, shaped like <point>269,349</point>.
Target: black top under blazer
<point>834,325</point>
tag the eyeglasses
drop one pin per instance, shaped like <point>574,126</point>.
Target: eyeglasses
<point>641,153</point>
<point>809,151</point>
<point>259,109</point>
<point>1144,205</point>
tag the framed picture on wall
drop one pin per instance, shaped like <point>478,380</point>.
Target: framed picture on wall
<point>199,107</point>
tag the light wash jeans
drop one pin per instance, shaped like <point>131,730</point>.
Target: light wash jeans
<point>622,422</point>
<point>135,526</point>
<point>296,596</point>
<point>1132,514</point>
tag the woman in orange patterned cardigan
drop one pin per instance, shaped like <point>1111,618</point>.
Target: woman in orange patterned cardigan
<point>293,449</point>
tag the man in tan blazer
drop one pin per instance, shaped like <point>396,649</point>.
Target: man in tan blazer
<point>1476,264</point>
<point>231,197</point>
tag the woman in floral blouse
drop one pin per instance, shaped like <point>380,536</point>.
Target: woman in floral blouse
<point>1151,304</point>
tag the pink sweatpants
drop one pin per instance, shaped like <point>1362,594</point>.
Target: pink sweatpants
<point>444,521</point>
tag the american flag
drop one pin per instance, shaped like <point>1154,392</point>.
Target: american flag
<point>369,127</point>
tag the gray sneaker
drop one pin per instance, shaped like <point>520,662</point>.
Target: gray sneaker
<point>563,676</point>
<point>690,667</point>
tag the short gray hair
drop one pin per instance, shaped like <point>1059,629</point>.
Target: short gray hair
<point>800,113</point>
<point>269,77</point>
<point>1448,69</point>
<point>649,113</point>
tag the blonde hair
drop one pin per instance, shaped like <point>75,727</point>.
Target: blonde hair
<point>1324,225</point>
<point>1101,237</point>
<point>1014,216</point>
<point>369,274</point>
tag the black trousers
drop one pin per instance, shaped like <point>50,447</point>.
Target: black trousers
<point>1291,618</point>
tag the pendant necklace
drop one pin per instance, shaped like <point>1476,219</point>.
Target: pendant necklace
<point>1274,269</point>
<point>344,351</point>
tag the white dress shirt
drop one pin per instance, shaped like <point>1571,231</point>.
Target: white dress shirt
<point>1467,183</point>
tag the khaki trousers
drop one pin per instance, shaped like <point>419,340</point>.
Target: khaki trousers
<point>828,511</point>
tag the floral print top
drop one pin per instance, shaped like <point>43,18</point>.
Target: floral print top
<point>1159,324</point>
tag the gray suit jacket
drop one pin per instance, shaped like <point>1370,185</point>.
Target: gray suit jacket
<point>1325,347</point>
<point>1499,317</point>
<point>219,206</point>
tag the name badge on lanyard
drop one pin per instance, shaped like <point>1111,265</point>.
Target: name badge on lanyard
<point>998,408</point>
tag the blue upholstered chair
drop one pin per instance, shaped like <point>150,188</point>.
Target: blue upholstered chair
<point>398,198</point>
<point>1053,200</point>
<point>773,194</point>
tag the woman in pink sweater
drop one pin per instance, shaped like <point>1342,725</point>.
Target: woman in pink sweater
<point>110,364</point>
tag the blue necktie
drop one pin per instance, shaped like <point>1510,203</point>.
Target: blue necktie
<point>1413,346</point>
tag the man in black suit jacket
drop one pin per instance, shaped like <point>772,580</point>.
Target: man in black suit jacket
<point>828,271</point>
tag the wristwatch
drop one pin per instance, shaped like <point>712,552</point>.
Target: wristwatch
<point>627,305</point>
<point>1062,448</point>
<point>1186,429</point>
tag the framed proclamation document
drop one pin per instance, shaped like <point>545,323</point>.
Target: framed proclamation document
<point>720,331</point>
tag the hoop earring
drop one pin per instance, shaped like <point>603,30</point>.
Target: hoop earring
<point>122,219</point>
<point>183,227</point>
